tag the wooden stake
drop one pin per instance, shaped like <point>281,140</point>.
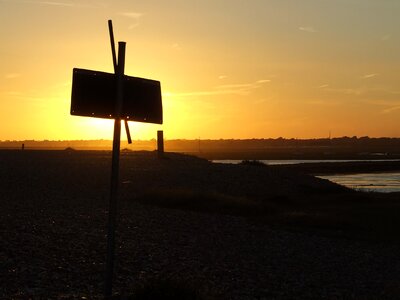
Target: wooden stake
<point>160,143</point>
<point>112,213</point>
<point>110,29</point>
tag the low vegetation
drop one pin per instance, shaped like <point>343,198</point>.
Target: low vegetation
<point>256,163</point>
<point>360,215</point>
<point>167,289</point>
<point>210,202</point>
<point>54,209</point>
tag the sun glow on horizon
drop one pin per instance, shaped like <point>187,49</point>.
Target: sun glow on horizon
<point>227,70</point>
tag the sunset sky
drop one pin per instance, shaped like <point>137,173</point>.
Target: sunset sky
<point>228,68</point>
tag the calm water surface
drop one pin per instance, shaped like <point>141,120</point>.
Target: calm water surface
<point>377,182</point>
<point>297,161</point>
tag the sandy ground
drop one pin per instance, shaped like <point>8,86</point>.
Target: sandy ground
<point>53,218</point>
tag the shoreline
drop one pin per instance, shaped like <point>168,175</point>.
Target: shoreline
<point>334,168</point>
<point>368,164</point>
<point>236,231</point>
<point>338,168</point>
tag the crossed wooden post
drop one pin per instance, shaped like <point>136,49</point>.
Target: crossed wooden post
<point>119,97</point>
<point>112,212</point>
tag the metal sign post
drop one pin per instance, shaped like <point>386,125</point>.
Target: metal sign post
<point>119,97</point>
<point>110,29</point>
<point>112,212</point>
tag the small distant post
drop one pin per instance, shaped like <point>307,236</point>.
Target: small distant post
<point>23,146</point>
<point>160,143</point>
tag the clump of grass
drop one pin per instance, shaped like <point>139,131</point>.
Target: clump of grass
<point>69,149</point>
<point>371,217</point>
<point>212,202</point>
<point>354,215</point>
<point>255,163</point>
<point>166,289</point>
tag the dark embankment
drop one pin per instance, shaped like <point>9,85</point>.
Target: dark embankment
<point>232,231</point>
<point>343,167</point>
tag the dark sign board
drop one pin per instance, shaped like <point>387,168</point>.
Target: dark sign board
<point>94,95</point>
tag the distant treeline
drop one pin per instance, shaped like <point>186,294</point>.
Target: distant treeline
<point>281,148</point>
<point>199,144</point>
<point>343,147</point>
<point>76,144</point>
<point>282,142</point>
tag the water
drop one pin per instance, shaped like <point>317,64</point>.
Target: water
<point>376,182</point>
<point>297,161</point>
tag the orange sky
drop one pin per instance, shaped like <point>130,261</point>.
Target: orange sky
<point>228,69</point>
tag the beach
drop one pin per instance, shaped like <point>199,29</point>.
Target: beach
<point>232,231</point>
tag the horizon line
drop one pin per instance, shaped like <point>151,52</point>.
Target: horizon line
<point>206,139</point>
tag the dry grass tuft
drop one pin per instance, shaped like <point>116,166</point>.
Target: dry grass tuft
<point>206,201</point>
<point>356,215</point>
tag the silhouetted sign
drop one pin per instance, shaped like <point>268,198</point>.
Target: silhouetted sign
<point>94,95</point>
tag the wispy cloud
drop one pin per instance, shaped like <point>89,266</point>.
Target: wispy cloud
<point>309,29</point>
<point>323,86</point>
<point>222,77</point>
<point>226,89</point>
<point>243,86</point>
<point>238,86</point>
<point>12,75</point>
<point>369,76</point>
<point>386,102</point>
<point>390,109</point>
<point>387,105</point>
<point>347,91</point>
<point>176,46</point>
<point>384,97</point>
<point>323,103</point>
<point>55,3</point>
<point>262,100</point>
<point>27,98</point>
<point>198,93</point>
<point>386,37</point>
<point>13,93</point>
<point>135,16</point>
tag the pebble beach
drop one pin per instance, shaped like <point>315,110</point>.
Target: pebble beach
<point>53,213</point>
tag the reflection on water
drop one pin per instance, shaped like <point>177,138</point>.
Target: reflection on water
<point>297,161</point>
<point>377,182</point>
